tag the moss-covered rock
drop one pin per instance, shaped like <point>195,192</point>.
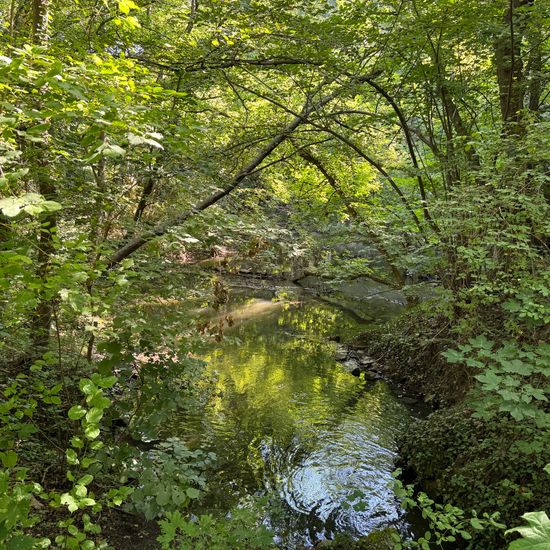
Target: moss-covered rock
<point>377,540</point>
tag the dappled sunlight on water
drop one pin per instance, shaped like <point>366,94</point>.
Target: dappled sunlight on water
<point>285,418</point>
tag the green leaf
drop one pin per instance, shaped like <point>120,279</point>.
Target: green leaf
<point>453,356</point>
<point>98,400</point>
<point>31,203</point>
<point>140,140</point>
<point>86,479</point>
<point>77,442</point>
<point>112,151</point>
<point>193,493</point>
<point>88,461</point>
<point>9,459</point>
<point>489,379</point>
<point>163,496</point>
<point>33,209</point>
<point>126,5</point>
<point>91,432</point>
<point>106,381</point>
<point>38,128</point>
<point>80,491</point>
<point>476,524</point>
<point>93,416</point>
<point>9,207</point>
<point>87,386</point>
<point>515,366</point>
<point>72,457</point>
<point>52,206</point>
<point>536,535</point>
<point>20,542</point>
<point>69,501</point>
<point>481,342</point>
<point>76,412</point>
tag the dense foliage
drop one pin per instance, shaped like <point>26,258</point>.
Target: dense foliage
<point>140,138</point>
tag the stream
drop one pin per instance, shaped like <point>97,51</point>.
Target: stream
<point>286,420</point>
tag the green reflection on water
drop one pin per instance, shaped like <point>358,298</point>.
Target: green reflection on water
<point>284,417</point>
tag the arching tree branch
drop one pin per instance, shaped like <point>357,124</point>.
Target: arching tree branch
<point>137,242</point>
<point>398,281</point>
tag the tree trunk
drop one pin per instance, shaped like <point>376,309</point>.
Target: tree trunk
<point>410,145</point>
<point>41,320</point>
<point>40,22</point>
<point>509,64</point>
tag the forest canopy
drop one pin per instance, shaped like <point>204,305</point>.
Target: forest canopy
<point>141,139</point>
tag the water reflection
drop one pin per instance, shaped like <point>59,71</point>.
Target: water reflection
<point>286,418</point>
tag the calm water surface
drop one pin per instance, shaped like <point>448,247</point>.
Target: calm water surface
<point>286,420</point>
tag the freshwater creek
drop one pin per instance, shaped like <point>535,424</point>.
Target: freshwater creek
<point>286,420</point>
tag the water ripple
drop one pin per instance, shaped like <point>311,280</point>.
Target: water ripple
<point>287,419</point>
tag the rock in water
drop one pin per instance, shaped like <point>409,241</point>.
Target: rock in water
<point>341,353</point>
<point>364,359</point>
<point>352,366</point>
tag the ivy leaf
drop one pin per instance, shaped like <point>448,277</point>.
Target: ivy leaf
<point>517,411</point>
<point>515,366</point>
<point>481,342</point>
<point>489,379</point>
<point>536,535</point>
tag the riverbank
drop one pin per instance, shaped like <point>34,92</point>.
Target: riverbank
<point>455,456</point>
<point>406,351</point>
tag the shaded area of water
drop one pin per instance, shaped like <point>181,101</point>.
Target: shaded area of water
<point>287,420</point>
<point>368,299</point>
